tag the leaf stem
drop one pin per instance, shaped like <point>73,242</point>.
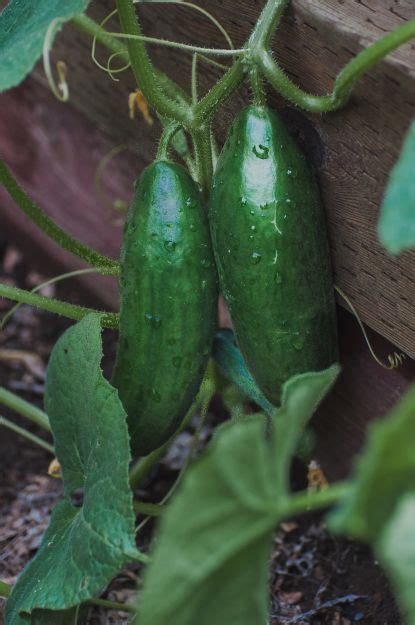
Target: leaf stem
<point>24,408</point>
<point>5,589</point>
<point>266,24</point>
<point>207,394</point>
<point>165,140</point>
<point>26,434</point>
<point>180,46</point>
<point>47,225</point>
<point>149,509</point>
<point>64,276</point>
<point>90,27</point>
<point>108,319</point>
<point>307,501</point>
<point>213,100</point>
<point>194,79</point>
<point>144,465</point>
<point>112,605</point>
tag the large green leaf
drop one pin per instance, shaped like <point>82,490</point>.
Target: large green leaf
<point>396,551</point>
<point>209,563</point>
<point>301,396</point>
<point>380,508</point>
<point>83,547</point>
<point>23,26</point>
<point>397,219</point>
<point>385,472</point>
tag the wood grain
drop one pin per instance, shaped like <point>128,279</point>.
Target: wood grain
<point>54,152</point>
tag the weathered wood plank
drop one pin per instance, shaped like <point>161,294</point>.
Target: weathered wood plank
<point>54,151</point>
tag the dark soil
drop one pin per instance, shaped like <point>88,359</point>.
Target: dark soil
<point>315,578</point>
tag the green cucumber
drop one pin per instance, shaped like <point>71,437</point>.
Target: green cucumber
<point>168,289</point>
<point>272,254</point>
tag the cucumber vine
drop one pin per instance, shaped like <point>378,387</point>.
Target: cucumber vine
<point>96,425</point>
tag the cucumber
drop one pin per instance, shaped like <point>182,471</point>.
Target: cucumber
<point>272,254</point>
<point>168,288</point>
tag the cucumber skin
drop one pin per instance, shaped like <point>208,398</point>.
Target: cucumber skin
<point>271,247</point>
<point>168,286</point>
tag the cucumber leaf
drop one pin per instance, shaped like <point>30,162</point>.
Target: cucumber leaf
<point>396,551</point>
<point>83,547</point>
<point>384,474</point>
<point>216,534</point>
<point>301,396</point>
<point>23,26</point>
<point>380,508</point>
<point>397,218</point>
<point>232,364</point>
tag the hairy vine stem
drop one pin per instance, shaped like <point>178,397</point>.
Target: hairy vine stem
<point>305,501</point>
<point>267,24</point>
<point>104,264</point>
<point>181,46</point>
<point>345,80</point>
<point>108,319</point>
<point>165,140</point>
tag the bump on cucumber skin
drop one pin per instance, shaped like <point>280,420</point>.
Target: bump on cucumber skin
<point>270,241</point>
<point>168,286</point>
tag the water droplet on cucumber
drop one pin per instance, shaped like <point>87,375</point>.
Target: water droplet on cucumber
<point>261,151</point>
<point>154,320</point>
<point>255,258</point>
<point>190,203</point>
<point>170,246</point>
